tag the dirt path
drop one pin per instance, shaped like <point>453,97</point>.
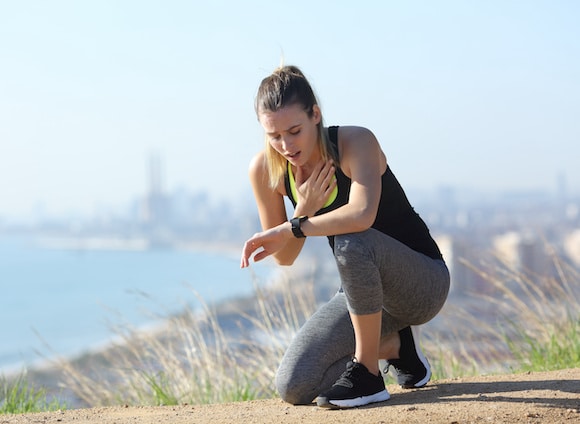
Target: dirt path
<point>547,397</point>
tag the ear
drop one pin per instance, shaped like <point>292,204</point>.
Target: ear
<point>316,114</point>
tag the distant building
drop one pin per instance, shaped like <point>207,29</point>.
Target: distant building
<point>156,207</point>
<point>462,260</point>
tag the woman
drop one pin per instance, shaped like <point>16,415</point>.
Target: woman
<point>392,272</point>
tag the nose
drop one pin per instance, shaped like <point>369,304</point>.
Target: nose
<point>285,144</point>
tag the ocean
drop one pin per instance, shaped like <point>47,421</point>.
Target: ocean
<point>61,302</point>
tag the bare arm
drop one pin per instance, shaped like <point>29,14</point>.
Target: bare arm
<point>364,162</point>
<point>271,210</point>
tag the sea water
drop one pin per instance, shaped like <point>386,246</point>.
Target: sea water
<point>61,302</point>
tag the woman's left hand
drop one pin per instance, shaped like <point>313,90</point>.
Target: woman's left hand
<point>270,241</point>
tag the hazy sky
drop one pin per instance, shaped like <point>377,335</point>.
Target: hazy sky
<point>482,94</point>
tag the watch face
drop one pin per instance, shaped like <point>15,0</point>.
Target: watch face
<point>296,230</point>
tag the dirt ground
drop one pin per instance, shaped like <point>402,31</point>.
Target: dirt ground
<point>544,397</point>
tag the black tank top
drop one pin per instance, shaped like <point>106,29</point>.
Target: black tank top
<point>395,217</point>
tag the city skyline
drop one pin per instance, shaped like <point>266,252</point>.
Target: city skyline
<point>154,186</point>
<point>475,96</point>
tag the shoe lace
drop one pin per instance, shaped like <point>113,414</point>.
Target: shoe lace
<point>387,365</point>
<point>399,366</point>
<point>347,377</point>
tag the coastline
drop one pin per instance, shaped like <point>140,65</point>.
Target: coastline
<point>48,372</point>
<point>84,243</point>
<point>53,277</point>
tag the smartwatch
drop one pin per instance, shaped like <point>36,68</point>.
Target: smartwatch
<point>296,222</point>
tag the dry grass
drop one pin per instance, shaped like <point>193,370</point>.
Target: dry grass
<point>212,356</point>
<point>192,358</point>
<point>524,321</point>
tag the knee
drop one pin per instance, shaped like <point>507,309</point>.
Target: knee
<point>350,247</point>
<point>291,390</point>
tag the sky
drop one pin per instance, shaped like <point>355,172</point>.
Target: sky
<point>483,95</point>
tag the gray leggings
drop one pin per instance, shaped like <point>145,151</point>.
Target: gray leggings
<point>377,273</point>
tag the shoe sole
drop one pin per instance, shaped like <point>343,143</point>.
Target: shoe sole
<point>352,403</point>
<point>423,360</point>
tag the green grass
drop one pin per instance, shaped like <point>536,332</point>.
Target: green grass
<point>19,396</point>
<point>561,350</point>
<point>536,325</point>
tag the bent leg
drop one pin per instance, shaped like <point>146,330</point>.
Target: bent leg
<point>318,354</point>
<point>378,272</point>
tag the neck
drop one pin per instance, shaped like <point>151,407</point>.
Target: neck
<point>309,165</point>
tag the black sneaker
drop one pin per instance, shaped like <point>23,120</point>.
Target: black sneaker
<point>412,368</point>
<point>355,387</point>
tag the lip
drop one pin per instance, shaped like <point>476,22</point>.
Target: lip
<point>293,155</point>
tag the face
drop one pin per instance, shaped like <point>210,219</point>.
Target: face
<point>293,134</point>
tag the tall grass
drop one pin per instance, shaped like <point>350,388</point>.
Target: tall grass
<point>524,321</point>
<point>198,356</point>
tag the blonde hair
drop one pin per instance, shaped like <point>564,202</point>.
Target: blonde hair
<point>288,86</point>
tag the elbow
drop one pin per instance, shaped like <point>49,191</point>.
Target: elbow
<point>359,228</point>
<point>364,221</point>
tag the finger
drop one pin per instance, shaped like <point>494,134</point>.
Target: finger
<point>244,260</point>
<point>326,178</point>
<point>249,248</point>
<point>246,254</point>
<point>329,175</point>
<point>261,255</point>
<point>326,172</point>
<point>330,187</point>
<point>330,168</point>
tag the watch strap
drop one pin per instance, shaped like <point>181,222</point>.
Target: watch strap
<point>296,226</point>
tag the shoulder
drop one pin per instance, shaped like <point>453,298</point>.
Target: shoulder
<point>352,137</point>
<point>354,132</point>
<point>258,162</point>
<point>259,174</point>
<point>359,143</point>
<point>257,170</point>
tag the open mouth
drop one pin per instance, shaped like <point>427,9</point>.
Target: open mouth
<point>293,155</point>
